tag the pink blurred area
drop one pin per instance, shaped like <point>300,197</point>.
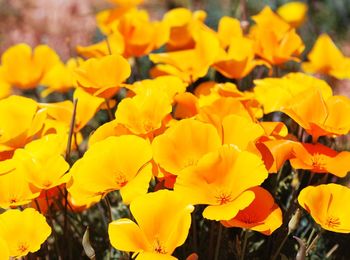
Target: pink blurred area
<point>62,24</point>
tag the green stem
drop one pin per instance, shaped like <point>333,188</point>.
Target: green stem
<point>245,241</point>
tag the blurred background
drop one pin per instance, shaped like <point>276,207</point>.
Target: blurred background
<point>62,24</point>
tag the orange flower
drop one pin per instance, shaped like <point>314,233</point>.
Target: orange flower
<point>326,58</point>
<point>102,77</point>
<point>222,180</point>
<point>325,203</point>
<point>262,215</point>
<point>24,231</point>
<point>320,159</point>
<point>182,23</point>
<point>141,35</point>
<point>239,60</point>
<point>276,44</point>
<point>275,93</point>
<point>183,144</point>
<point>320,116</point>
<point>24,68</point>
<point>116,163</point>
<point>149,239</point>
<point>198,59</point>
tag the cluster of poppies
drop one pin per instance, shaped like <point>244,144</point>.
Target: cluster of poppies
<point>188,143</point>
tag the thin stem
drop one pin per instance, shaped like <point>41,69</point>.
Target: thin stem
<point>245,241</point>
<point>274,257</point>
<point>109,110</point>
<point>313,243</point>
<point>218,242</point>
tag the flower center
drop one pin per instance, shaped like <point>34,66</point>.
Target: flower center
<point>159,248</point>
<point>318,162</point>
<point>121,179</point>
<point>223,197</point>
<point>332,222</point>
<point>22,247</point>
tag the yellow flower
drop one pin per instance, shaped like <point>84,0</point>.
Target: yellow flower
<point>325,203</point>
<point>144,113</point>
<point>158,231</point>
<point>275,93</point>
<point>189,64</point>
<point>182,23</point>
<point>102,77</point>
<point>42,161</point>
<point>276,44</point>
<point>183,144</point>
<point>116,163</point>
<point>293,13</point>
<point>24,68</point>
<point>20,121</point>
<point>326,58</point>
<point>23,231</point>
<point>222,180</point>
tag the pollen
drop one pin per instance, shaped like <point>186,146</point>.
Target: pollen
<point>159,248</point>
<point>332,222</point>
<point>223,198</point>
<point>318,162</point>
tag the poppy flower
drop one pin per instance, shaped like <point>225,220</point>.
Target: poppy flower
<point>116,163</point>
<point>275,44</point>
<point>198,59</point>
<point>102,77</point>
<point>320,159</point>
<point>5,87</point>
<point>113,44</point>
<point>325,203</point>
<point>320,116</point>
<point>15,190</point>
<point>239,60</point>
<point>24,231</point>
<point>326,58</point>
<point>144,113</point>
<point>221,180</point>
<point>42,162</point>
<point>293,13</point>
<point>262,215</point>
<point>21,119</point>
<point>183,144</point>
<point>158,231</point>
<point>182,23</point>
<point>218,110</point>
<point>24,68</point>
<point>111,128</point>
<point>274,93</point>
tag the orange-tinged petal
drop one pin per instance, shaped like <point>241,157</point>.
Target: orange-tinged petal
<point>126,235</point>
<point>262,215</point>
<point>183,144</point>
<point>154,256</point>
<point>325,203</point>
<point>230,209</point>
<point>232,131</point>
